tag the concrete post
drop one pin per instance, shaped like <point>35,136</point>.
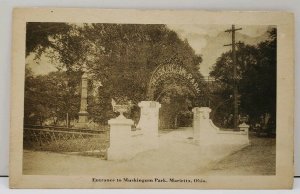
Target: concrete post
<point>244,128</point>
<point>149,122</point>
<point>196,123</point>
<point>120,139</point>
<point>203,126</point>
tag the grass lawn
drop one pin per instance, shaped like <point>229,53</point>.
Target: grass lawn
<point>257,158</point>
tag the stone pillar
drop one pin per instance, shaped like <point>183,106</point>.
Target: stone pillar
<point>244,128</point>
<point>83,114</point>
<point>203,127</point>
<point>149,122</point>
<point>196,123</point>
<point>120,139</point>
<point>210,137</point>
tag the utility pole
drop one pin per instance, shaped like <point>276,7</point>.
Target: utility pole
<point>235,88</point>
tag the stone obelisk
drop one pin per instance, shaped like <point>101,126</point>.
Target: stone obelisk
<point>83,114</point>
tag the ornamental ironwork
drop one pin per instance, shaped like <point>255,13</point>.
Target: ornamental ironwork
<point>64,140</point>
<point>165,71</point>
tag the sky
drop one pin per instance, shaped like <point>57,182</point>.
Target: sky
<point>41,66</point>
<point>206,40</point>
<point>209,40</point>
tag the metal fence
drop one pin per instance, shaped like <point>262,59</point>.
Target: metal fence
<point>67,140</point>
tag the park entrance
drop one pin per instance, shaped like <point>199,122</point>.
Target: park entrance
<point>178,90</point>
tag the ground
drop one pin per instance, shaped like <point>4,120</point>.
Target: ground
<point>257,158</point>
<point>175,156</point>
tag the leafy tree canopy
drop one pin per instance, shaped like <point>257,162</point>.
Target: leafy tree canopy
<point>120,57</point>
<point>256,72</point>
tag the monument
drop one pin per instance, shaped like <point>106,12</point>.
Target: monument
<point>83,114</point>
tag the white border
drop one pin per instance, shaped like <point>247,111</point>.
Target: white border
<point>5,46</point>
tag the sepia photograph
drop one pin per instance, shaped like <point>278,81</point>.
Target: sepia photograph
<point>150,103</point>
<point>139,93</point>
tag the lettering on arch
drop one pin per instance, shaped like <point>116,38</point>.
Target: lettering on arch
<point>172,70</point>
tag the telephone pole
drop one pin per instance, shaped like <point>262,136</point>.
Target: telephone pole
<point>235,88</point>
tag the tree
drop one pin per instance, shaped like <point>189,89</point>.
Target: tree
<point>50,97</point>
<point>256,70</point>
<point>258,86</point>
<point>177,100</point>
<point>39,36</point>
<point>119,56</point>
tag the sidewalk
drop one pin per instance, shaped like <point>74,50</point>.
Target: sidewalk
<point>177,155</point>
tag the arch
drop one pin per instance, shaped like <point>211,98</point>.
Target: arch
<point>165,71</point>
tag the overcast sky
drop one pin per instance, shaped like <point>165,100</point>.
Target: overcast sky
<point>207,40</point>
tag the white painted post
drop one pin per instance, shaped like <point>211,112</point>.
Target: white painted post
<point>120,139</point>
<point>244,128</point>
<point>196,123</point>
<point>149,122</point>
<point>203,126</point>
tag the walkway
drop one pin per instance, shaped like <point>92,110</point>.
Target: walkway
<point>177,155</point>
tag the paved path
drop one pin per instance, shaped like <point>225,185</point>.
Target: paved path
<point>177,155</point>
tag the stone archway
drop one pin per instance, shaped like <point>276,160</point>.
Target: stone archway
<point>173,111</point>
<point>165,71</point>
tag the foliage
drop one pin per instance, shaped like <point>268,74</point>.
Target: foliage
<point>177,99</point>
<point>256,73</point>
<point>120,57</point>
<point>39,36</point>
<point>49,97</point>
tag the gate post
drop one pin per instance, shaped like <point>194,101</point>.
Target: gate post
<point>120,139</point>
<point>196,123</point>
<point>149,122</point>
<point>203,126</point>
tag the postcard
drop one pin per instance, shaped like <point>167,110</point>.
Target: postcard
<point>118,98</point>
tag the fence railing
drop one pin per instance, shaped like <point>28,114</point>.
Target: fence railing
<point>67,140</point>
